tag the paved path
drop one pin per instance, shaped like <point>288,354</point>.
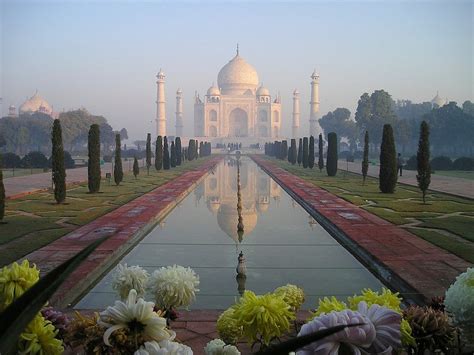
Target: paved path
<point>125,226</point>
<point>417,268</point>
<point>449,184</point>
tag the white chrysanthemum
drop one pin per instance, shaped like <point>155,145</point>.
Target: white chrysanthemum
<point>218,347</point>
<point>137,316</point>
<point>174,286</point>
<point>164,347</point>
<point>459,299</point>
<point>130,277</point>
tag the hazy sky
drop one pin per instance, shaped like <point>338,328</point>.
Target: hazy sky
<point>104,55</point>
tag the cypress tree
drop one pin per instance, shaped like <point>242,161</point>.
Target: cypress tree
<point>196,151</point>
<point>2,193</point>
<point>159,153</point>
<point>331,163</point>
<point>58,170</point>
<point>93,165</point>
<point>284,150</point>
<point>177,145</point>
<point>388,161</point>
<point>201,149</point>
<point>305,152</point>
<point>293,152</point>
<point>311,153</point>
<point>423,159</point>
<point>300,152</point>
<point>320,153</point>
<point>166,154</point>
<point>173,155</point>
<point>148,153</point>
<point>118,171</point>
<point>190,150</point>
<point>365,161</point>
<point>136,168</point>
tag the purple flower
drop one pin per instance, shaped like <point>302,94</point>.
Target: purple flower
<point>59,320</point>
<point>354,338</point>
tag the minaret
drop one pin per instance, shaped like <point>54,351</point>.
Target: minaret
<point>314,128</point>
<point>296,114</point>
<point>160,105</point>
<point>179,113</point>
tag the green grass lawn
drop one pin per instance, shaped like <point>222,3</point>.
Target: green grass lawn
<point>446,221</point>
<point>455,173</point>
<point>35,220</point>
<point>7,173</point>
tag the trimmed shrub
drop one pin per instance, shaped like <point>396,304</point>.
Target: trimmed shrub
<point>411,163</point>
<point>93,164</point>
<point>69,163</point>
<point>423,159</point>
<point>320,153</point>
<point>305,152</point>
<point>173,155</point>
<point>35,160</point>
<point>464,164</point>
<point>136,168</point>
<point>11,160</point>
<point>293,155</point>
<point>300,152</point>
<point>148,153</point>
<point>58,170</point>
<point>177,145</point>
<point>388,161</point>
<point>441,163</point>
<point>331,162</point>
<point>166,154</point>
<point>311,153</point>
<point>118,171</point>
<point>284,150</point>
<point>191,149</point>
<point>159,153</point>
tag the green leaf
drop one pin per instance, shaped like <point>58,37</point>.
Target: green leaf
<point>294,344</point>
<point>15,318</point>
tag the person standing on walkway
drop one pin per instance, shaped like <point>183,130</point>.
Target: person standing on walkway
<point>400,163</point>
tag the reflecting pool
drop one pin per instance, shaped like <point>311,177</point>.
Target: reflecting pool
<point>281,244</point>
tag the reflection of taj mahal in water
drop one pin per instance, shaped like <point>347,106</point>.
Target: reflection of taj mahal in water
<point>220,195</point>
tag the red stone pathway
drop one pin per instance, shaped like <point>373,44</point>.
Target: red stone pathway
<point>126,226</point>
<point>425,268</point>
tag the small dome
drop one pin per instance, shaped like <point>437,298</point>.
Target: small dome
<point>36,104</point>
<point>237,76</point>
<point>213,91</point>
<point>263,91</point>
<point>296,92</point>
<point>437,100</point>
<point>179,91</point>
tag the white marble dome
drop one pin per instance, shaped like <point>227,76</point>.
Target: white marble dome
<point>237,77</point>
<point>437,100</point>
<point>36,104</point>
<point>263,91</point>
<point>213,91</point>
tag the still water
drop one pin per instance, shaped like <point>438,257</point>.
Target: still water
<point>281,244</point>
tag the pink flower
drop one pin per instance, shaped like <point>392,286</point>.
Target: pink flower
<point>355,338</point>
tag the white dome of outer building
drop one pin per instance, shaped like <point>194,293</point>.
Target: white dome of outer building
<point>237,77</point>
<point>263,91</point>
<point>437,100</point>
<point>36,104</point>
<point>213,91</point>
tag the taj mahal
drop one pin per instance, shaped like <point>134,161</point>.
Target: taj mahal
<point>239,107</point>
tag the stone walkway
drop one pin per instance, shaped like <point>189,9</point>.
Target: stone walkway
<point>448,184</point>
<point>417,268</point>
<point>126,226</point>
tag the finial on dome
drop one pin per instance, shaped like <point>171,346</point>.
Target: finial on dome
<point>237,49</point>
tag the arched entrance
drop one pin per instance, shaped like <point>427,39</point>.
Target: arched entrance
<point>238,123</point>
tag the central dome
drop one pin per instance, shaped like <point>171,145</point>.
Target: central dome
<point>237,77</point>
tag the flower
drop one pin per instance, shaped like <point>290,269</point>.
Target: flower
<point>15,280</point>
<point>128,277</point>
<point>39,338</point>
<point>218,347</point>
<point>59,320</point>
<point>164,347</point>
<point>292,294</point>
<point>459,299</point>
<point>327,305</point>
<point>174,286</point>
<point>267,316</point>
<point>137,316</point>
<point>228,328</point>
<point>354,338</point>
<point>387,327</point>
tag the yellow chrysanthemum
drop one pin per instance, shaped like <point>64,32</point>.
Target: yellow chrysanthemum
<point>15,279</point>
<point>263,317</point>
<point>39,338</point>
<point>292,294</point>
<point>327,305</point>
<point>228,328</point>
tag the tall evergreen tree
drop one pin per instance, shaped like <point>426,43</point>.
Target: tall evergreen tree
<point>118,170</point>
<point>284,150</point>
<point>365,161</point>
<point>57,163</point>
<point>177,144</point>
<point>93,165</point>
<point>191,150</point>
<point>294,153</point>
<point>423,159</point>
<point>2,192</point>
<point>159,153</point>
<point>305,152</point>
<point>300,152</point>
<point>331,162</point>
<point>388,161</point>
<point>173,155</point>
<point>148,153</point>
<point>201,149</point>
<point>196,151</point>
<point>136,168</point>
<point>320,153</point>
<point>311,153</point>
<point>166,154</point>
